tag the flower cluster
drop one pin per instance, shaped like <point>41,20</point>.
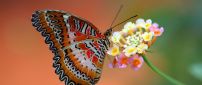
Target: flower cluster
<point>133,41</point>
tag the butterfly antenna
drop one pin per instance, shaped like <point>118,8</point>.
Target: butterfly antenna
<point>124,21</point>
<point>110,29</point>
<point>116,15</point>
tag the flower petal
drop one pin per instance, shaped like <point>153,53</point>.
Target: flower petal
<point>141,48</point>
<point>129,28</point>
<point>155,25</point>
<point>140,21</point>
<point>149,21</point>
<point>114,51</point>
<point>114,64</point>
<point>147,36</point>
<point>130,50</point>
<point>136,62</point>
<point>116,36</point>
<point>123,60</point>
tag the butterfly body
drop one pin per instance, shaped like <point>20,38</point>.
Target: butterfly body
<point>78,46</point>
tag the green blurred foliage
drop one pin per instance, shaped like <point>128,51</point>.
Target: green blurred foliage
<point>181,41</point>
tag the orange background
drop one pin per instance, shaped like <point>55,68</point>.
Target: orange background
<point>26,60</point>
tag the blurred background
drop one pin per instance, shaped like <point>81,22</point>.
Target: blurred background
<point>26,60</point>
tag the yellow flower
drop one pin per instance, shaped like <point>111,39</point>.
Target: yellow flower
<point>147,36</point>
<point>148,24</point>
<point>140,23</point>
<point>116,36</point>
<point>142,47</point>
<point>129,28</point>
<point>114,51</point>
<point>130,50</point>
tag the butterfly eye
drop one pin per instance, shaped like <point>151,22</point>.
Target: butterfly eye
<point>108,32</point>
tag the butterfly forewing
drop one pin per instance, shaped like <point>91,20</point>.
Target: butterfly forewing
<point>78,46</point>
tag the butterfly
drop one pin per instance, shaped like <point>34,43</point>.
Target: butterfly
<point>78,46</point>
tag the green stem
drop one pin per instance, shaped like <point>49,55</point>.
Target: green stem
<point>155,69</point>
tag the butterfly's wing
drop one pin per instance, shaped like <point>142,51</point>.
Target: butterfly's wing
<point>78,46</point>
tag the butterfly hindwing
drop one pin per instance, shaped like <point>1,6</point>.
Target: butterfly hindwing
<point>78,46</point>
